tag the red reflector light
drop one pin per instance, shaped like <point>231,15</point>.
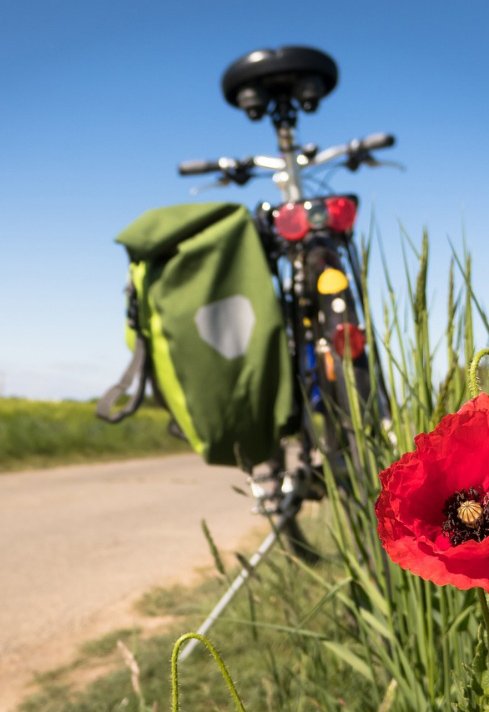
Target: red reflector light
<point>342,213</point>
<point>291,221</point>
<point>351,335</point>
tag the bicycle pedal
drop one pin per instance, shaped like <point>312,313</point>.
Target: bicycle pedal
<point>265,477</point>
<point>261,493</point>
<point>306,483</point>
<point>265,510</point>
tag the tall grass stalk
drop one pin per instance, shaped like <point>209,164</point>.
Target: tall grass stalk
<point>219,662</point>
<point>406,629</point>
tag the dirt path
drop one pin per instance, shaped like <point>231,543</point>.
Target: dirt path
<point>79,544</point>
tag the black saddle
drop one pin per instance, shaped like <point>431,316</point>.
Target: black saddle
<point>299,76</point>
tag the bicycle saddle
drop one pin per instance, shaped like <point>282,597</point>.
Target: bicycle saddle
<point>303,74</point>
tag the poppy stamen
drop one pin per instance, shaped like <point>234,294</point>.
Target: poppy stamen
<point>467,516</point>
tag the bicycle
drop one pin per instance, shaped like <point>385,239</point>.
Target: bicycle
<point>307,240</point>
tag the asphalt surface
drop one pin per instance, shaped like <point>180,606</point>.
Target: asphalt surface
<point>79,543</point>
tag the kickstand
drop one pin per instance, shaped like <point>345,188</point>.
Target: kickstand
<point>236,585</point>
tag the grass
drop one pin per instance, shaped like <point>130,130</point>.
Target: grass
<point>105,645</point>
<point>177,600</point>
<point>43,434</point>
<point>274,667</point>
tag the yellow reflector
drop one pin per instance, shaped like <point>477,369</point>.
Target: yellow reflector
<point>332,281</point>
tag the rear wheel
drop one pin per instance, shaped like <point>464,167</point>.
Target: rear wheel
<point>340,352</point>
<point>344,427</point>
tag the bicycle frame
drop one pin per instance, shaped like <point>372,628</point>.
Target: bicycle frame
<point>278,83</point>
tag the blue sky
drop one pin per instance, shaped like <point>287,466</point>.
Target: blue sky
<point>101,100</point>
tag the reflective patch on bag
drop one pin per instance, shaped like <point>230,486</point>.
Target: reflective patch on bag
<point>227,325</point>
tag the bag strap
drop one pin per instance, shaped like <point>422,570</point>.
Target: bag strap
<point>138,368</point>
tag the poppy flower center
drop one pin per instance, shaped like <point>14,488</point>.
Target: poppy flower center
<point>467,516</point>
<point>470,512</point>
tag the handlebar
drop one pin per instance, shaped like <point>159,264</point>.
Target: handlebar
<point>356,151</point>
<point>369,143</point>
<point>192,168</point>
<point>357,148</point>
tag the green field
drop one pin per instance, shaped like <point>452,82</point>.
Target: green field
<point>43,434</point>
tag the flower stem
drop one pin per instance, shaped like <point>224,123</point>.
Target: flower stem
<point>224,672</point>
<point>473,384</point>
<point>445,647</point>
<point>484,607</point>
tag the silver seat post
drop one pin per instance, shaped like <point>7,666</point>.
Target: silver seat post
<point>289,181</point>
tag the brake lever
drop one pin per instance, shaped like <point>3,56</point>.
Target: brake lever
<point>239,176</point>
<point>355,160</point>
<point>221,182</point>
<point>392,164</point>
<point>374,163</point>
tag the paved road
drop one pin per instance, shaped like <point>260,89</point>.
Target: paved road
<point>77,543</point>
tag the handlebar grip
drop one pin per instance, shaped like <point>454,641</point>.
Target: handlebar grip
<point>373,141</point>
<point>190,168</point>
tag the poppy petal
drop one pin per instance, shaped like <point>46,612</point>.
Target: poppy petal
<point>454,456</point>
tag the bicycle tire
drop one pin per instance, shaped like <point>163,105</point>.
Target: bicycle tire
<point>338,431</point>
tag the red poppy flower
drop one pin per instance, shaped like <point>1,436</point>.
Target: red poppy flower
<point>433,510</point>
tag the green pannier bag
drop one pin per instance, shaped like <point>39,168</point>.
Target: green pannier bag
<point>206,326</point>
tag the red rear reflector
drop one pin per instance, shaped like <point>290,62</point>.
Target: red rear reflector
<point>342,213</point>
<point>351,335</point>
<point>291,221</point>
